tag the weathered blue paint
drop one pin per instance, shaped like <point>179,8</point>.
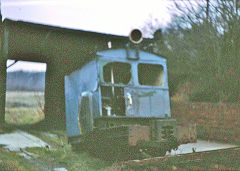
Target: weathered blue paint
<point>121,55</point>
<point>148,101</point>
<point>82,80</point>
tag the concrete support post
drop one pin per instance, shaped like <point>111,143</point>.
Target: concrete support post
<point>54,96</point>
<point>3,76</point>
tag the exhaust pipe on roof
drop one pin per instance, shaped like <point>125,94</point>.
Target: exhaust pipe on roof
<point>135,36</point>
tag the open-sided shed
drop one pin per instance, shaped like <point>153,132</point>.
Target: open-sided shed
<point>63,50</point>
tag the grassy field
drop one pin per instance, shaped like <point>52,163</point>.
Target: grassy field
<point>24,107</point>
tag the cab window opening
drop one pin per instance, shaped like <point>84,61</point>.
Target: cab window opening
<point>117,73</point>
<point>151,75</point>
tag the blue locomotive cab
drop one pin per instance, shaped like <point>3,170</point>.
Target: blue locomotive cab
<point>121,97</point>
<point>133,88</point>
<point>119,87</point>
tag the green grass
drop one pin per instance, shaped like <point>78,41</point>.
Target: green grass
<point>24,107</point>
<point>23,115</point>
<point>61,153</point>
<point>10,161</point>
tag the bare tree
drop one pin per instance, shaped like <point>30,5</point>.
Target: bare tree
<point>203,39</point>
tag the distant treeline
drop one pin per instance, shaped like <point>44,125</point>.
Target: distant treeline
<point>25,81</point>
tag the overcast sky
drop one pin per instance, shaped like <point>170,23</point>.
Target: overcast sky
<point>105,16</point>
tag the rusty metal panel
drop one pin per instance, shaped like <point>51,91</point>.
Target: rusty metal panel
<point>187,133</point>
<point>138,133</point>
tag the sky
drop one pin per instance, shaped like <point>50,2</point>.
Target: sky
<point>105,16</point>
<point>26,66</point>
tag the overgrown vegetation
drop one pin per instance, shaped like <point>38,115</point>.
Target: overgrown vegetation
<point>24,110</point>
<point>215,121</point>
<point>202,46</point>
<point>58,155</point>
<point>218,122</point>
<point>11,161</point>
<point>61,154</point>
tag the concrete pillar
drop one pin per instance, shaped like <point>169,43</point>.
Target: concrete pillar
<point>54,96</point>
<point>3,69</point>
<point>3,75</point>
